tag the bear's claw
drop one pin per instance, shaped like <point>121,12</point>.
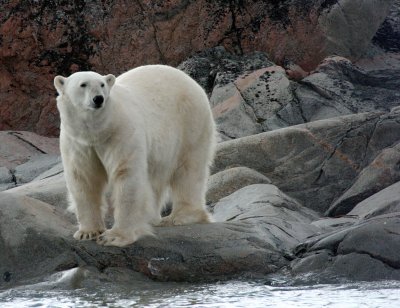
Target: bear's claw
<point>87,235</point>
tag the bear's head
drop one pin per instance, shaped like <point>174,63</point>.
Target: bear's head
<point>87,90</point>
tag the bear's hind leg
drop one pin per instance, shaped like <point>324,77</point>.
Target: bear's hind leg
<point>134,207</point>
<point>188,189</point>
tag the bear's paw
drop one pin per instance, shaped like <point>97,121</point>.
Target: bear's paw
<point>186,217</point>
<point>82,235</point>
<point>115,238</point>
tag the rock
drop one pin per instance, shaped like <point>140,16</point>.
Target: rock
<point>36,165</point>
<point>295,72</point>
<point>258,201</point>
<point>33,239</point>
<point>6,179</point>
<point>39,42</point>
<point>250,94</point>
<point>347,254</point>
<point>228,181</point>
<point>51,190</point>
<point>24,155</point>
<point>53,171</point>
<point>89,277</point>
<point>315,162</point>
<point>327,224</point>
<point>388,34</point>
<point>253,244</point>
<point>384,202</point>
<point>226,77</point>
<point>350,25</point>
<point>337,87</point>
<point>17,147</point>
<point>382,172</point>
<point>268,208</point>
<point>217,66</point>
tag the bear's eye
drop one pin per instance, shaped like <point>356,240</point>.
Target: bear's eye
<point>83,85</point>
<point>102,85</point>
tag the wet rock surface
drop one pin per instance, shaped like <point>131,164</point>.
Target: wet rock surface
<point>366,250</point>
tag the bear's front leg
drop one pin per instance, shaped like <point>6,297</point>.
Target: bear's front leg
<point>134,207</point>
<point>86,184</point>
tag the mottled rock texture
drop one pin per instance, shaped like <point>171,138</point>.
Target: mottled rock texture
<point>250,94</point>
<point>40,39</point>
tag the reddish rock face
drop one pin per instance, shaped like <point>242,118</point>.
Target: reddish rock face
<point>41,39</point>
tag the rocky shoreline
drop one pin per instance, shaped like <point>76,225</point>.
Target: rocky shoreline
<point>306,179</point>
<point>270,195</point>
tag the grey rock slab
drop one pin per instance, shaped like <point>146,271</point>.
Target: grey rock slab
<point>35,166</point>
<point>378,237</point>
<point>382,172</point>
<point>114,279</point>
<point>314,162</point>
<point>322,268</point>
<point>350,25</point>
<point>7,179</point>
<point>234,118</point>
<point>367,250</point>
<point>388,35</point>
<point>338,87</point>
<point>286,221</point>
<point>329,224</point>
<point>5,175</point>
<point>33,239</point>
<point>16,147</point>
<point>228,181</point>
<point>249,99</point>
<point>51,190</point>
<point>192,253</point>
<point>55,170</point>
<point>247,247</point>
<point>385,201</point>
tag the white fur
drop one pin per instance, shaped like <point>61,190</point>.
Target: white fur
<point>153,134</point>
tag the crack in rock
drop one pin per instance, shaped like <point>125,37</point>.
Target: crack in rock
<point>17,135</point>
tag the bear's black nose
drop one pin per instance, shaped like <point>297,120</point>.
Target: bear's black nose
<point>98,101</point>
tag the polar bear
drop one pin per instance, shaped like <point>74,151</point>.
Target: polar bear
<point>145,135</point>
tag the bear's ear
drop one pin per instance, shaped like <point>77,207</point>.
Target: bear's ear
<point>110,79</point>
<point>59,83</point>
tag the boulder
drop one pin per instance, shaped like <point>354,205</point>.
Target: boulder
<point>17,147</point>
<point>24,156</point>
<point>228,181</point>
<point>34,240</point>
<point>315,162</point>
<point>258,241</point>
<point>383,202</point>
<point>367,250</point>
<point>350,25</point>
<point>382,172</point>
<point>35,166</point>
<point>51,190</point>
<point>267,207</point>
<point>7,179</point>
<point>388,35</point>
<point>250,94</point>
